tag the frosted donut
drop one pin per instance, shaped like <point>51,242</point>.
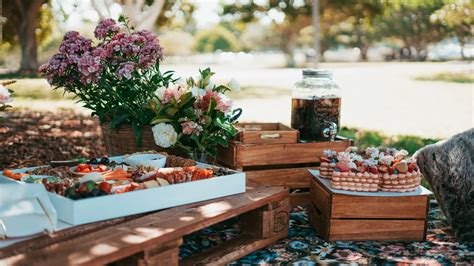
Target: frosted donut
<point>336,178</point>
<point>393,176</point>
<point>366,175</point>
<point>324,164</point>
<point>351,174</point>
<point>350,179</point>
<point>387,182</point>
<point>373,185</point>
<point>363,180</point>
<point>370,180</point>
<point>372,189</point>
<point>351,188</point>
<point>365,189</point>
<point>395,182</point>
<point>345,187</point>
<point>386,176</point>
<point>374,176</point>
<point>359,174</point>
<point>337,187</point>
<point>336,173</point>
<point>401,175</point>
<point>344,174</point>
<point>344,183</point>
<point>332,165</point>
<point>351,184</point>
<point>409,174</point>
<point>366,185</point>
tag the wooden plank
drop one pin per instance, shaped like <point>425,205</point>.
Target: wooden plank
<point>318,221</point>
<point>290,178</point>
<point>63,235</point>
<point>409,207</point>
<point>268,220</point>
<point>134,236</point>
<point>271,154</point>
<point>320,197</point>
<point>232,250</point>
<point>260,133</point>
<point>378,229</point>
<point>299,199</point>
<point>238,154</point>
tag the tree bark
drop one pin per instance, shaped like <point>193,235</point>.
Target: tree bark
<point>363,53</point>
<point>29,13</point>
<point>289,46</point>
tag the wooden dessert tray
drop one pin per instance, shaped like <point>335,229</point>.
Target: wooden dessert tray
<point>155,238</point>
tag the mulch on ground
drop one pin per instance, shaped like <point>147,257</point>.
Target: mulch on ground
<point>30,138</point>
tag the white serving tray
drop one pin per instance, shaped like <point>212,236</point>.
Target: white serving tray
<point>76,212</point>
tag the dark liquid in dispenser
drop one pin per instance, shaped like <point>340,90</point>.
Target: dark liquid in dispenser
<point>310,116</point>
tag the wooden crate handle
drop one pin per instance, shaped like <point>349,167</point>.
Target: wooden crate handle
<point>270,136</point>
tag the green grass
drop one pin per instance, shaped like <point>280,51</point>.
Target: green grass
<point>455,77</point>
<point>370,138</point>
<point>16,75</point>
<point>36,89</point>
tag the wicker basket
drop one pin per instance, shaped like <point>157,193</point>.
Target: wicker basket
<point>120,142</point>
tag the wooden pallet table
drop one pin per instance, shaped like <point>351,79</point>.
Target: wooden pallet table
<point>154,239</point>
<point>279,164</point>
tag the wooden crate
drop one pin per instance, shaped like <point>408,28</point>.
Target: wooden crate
<point>279,164</point>
<point>347,217</point>
<point>154,239</point>
<point>259,133</point>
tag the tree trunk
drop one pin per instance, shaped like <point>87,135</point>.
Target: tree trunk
<point>27,33</point>
<point>364,50</point>
<point>462,44</point>
<point>289,47</point>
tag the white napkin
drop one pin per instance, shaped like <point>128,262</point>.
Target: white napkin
<point>25,209</point>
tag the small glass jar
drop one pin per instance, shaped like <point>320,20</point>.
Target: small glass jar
<point>316,106</point>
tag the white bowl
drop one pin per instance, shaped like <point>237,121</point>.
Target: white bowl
<point>147,160</point>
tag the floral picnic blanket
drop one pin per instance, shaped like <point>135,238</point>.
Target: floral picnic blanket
<point>304,247</point>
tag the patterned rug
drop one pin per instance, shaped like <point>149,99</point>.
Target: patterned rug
<point>304,247</point>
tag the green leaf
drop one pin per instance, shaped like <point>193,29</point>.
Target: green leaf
<point>117,120</point>
<point>137,130</point>
<point>159,120</point>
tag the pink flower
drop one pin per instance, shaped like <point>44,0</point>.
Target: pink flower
<point>175,91</point>
<point>4,95</point>
<point>191,127</point>
<point>90,68</point>
<point>224,104</point>
<point>74,44</point>
<point>106,28</point>
<point>125,70</point>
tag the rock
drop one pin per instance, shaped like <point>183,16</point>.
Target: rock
<point>343,166</point>
<point>401,167</point>
<point>448,167</point>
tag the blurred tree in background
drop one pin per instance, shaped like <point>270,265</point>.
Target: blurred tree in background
<point>409,21</point>
<point>458,17</point>
<point>26,25</point>
<point>217,38</point>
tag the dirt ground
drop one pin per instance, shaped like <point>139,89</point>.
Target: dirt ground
<point>29,138</point>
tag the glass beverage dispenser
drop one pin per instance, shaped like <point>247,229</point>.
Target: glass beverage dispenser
<point>316,106</point>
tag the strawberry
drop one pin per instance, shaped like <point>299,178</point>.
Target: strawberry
<point>361,169</point>
<point>373,170</point>
<point>390,170</point>
<point>412,167</point>
<point>383,169</point>
<point>324,160</point>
